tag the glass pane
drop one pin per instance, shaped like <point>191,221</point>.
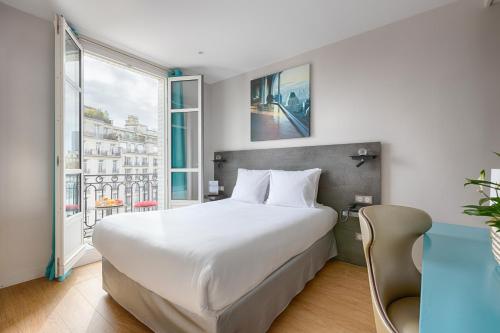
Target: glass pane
<point>184,94</point>
<point>184,186</point>
<point>72,200</point>
<point>184,136</point>
<point>123,138</point>
<point>71,127</point>
<point>72,60</point>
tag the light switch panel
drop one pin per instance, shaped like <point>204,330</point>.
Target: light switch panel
<point>364,199</point>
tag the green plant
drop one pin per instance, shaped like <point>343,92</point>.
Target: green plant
<point>98,114</point>
<point>488,206</point>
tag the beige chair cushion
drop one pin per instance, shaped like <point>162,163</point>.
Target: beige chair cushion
<point>404,314</point>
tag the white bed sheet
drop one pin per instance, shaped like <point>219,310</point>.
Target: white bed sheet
<point>205,257</point>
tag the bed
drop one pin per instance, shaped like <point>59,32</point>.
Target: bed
<point>218,267</point>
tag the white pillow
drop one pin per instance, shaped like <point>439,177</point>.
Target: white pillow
<point>294,188</point>
<point>251,186</point>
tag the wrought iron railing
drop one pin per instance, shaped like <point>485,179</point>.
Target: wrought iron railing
<point>103,153</point>
<point>117,193</point>
<point>106,136</point>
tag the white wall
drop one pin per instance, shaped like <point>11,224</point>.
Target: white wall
<point>427,87</point>
<point>26,135</point>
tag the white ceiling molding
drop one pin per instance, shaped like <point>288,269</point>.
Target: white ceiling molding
<point>125,58</point>
<point>233,37</point>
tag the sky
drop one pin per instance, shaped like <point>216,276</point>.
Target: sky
<point>120,91</point>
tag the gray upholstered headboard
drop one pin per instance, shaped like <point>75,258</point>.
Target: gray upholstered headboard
<point>340,180</point>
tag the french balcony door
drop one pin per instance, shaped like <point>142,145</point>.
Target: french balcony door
<point>185,140</point>
<point>69,244</point>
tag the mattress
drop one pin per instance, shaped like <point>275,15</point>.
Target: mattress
<point>205,257</point>
<point>253,313</point>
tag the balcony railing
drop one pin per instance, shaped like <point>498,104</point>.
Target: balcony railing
<point>103,153</point>
<point>136,151</point>
<point>110,136</point>
<point>117,193</point>
<point>104,136</point>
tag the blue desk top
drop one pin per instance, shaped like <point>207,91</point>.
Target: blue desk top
<point>460,281</point>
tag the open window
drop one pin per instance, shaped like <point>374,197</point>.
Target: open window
<point>185,147</point>
<point>118,151</point>
<point>69,245</point>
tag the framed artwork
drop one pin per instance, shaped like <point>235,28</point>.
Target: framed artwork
<point>280,105</point>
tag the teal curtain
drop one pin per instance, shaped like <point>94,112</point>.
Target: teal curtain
<point>50,271</point>
<point>178,140</point>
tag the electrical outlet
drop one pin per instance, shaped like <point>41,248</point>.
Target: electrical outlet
<point>364,199</point>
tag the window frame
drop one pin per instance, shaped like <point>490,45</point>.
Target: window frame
<point>173,203</point>
<point>122,58</point>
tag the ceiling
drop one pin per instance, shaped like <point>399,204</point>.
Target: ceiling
<point>235,36</point>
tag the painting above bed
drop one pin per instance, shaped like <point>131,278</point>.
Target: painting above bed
<point>280,105</point>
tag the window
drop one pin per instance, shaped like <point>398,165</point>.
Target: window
<point>68,184</point>
<point>100,167</point>
<point>185,144</point>
<point>128,103</point>
<point>117,99</point>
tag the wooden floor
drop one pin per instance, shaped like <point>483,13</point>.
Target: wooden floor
<point>337,300</point>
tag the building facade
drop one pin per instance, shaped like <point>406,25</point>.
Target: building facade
<point>121,163</point>
<point>110,149</point>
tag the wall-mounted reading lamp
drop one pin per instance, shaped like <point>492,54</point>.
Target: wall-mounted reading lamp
<point>363,156</point>
<point>219,160</point>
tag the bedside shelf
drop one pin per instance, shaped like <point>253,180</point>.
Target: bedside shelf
<point>219,162</point>
<point>351,214</point>
<point>214,197</point>
<point>363,158</point>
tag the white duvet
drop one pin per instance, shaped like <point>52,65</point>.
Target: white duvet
<point>205,257</point>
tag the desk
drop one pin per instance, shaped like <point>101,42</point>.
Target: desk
<point>460,281</point>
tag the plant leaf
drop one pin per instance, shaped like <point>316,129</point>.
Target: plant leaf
<point>484,183</point>
<point>484,200</point>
